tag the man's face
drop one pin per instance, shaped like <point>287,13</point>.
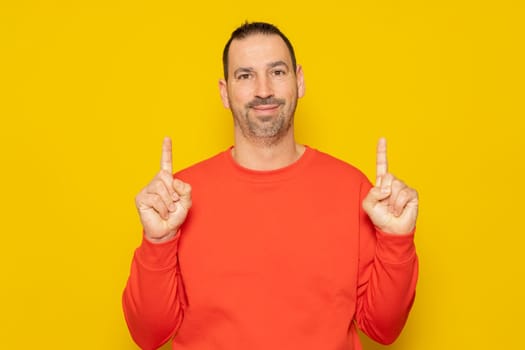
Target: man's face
<point>262,88</point>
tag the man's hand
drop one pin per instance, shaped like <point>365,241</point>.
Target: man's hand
<point>391,205</point>
<point>164,203</point>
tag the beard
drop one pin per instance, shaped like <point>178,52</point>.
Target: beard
<point>266,129</point>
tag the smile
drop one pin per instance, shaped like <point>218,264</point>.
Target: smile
<point>266,107</point>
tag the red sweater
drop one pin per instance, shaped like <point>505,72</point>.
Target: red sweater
<point>282,259</point>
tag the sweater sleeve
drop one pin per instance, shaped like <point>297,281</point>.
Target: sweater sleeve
<point>388,270</point>
<point>153,299</point>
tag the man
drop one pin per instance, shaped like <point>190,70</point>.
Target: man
<point>275,245</point>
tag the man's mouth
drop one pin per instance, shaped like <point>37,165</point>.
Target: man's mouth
<point>266,107</point>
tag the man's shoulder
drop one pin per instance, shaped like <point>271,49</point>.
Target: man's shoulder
<point>204,167</point>
<point>330,163</point>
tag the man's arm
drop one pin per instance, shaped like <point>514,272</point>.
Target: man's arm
<point>388,262</point>
<point>154,299</point>
<point>388,272</point>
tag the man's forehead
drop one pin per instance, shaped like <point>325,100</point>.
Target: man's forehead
<point>257,47</point>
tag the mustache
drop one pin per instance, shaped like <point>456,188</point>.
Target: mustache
<point>265,101</point>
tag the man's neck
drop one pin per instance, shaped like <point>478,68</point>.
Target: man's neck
<point>262,156</point>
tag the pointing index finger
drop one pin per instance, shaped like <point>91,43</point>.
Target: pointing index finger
<point>165,161</point>
<point>381,162</point>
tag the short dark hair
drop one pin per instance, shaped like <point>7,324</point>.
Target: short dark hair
<point>248,29</point>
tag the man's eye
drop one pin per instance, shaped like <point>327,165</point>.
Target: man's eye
<point>243,76</point>
<point>279,72</point>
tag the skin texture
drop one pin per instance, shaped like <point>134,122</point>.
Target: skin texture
<point>262,91</point>
<point>391,204</point>
<point>164,203</point>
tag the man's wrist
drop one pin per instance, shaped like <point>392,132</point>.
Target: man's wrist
<point>158,240</point>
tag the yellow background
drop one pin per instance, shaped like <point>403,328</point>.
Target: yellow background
<point>89,89</point>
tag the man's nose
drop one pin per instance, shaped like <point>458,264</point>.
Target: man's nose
<point>263,87</point>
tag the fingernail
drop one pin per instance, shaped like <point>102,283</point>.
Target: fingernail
<point>172,207</point>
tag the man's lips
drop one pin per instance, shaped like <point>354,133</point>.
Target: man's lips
<point>265,107</point>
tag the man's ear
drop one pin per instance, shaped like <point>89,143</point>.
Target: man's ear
<point>223,89</point>
<point>300,81</point>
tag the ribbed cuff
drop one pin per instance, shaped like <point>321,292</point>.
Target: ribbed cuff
<point>158,256</point>
<point>395,249</point>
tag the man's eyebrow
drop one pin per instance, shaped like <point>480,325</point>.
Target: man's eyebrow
<point>251,69</point>
<point>276,64</point>
<point>243,70</point>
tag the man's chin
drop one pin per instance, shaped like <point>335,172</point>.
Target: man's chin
<point>265,118</point>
